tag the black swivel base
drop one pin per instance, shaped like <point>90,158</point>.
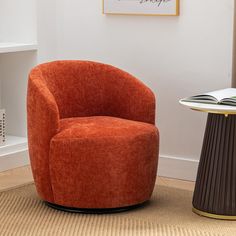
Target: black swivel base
<point>95,211</point>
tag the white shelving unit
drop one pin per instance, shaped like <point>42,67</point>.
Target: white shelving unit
<point>14,153</point>
<point>18,47</point>
<point>13,144</point>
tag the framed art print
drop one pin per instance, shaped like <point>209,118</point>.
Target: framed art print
<point>142,7</point>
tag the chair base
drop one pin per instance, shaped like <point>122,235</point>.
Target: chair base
<point>96,210</point>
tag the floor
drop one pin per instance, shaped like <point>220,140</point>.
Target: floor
<point>21,176</point>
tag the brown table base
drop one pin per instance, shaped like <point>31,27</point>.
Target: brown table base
<point>215,190</point>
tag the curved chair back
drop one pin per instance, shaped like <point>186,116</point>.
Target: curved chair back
<point>84,88</point>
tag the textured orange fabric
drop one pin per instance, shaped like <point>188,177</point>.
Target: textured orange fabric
<point>92,138</point>
<point>89,89</point>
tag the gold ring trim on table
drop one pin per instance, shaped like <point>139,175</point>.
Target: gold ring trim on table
<point>214,216</point>
<point>226,113</point>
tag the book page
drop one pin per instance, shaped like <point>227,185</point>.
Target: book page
<point>203,98</point>
<point>223,93</point>
<point>229,101</point>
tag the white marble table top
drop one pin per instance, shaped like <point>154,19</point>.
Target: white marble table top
<point>210,108</point>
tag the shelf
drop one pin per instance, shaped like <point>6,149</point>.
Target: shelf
<point>13,145</point>
<point>18,55</point>
<point>17,47</point>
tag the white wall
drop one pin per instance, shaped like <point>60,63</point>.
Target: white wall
<point>175,56</point>
<point>47,25</point>
<point>18,21</point>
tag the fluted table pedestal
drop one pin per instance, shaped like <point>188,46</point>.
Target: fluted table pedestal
<point>215,189</point>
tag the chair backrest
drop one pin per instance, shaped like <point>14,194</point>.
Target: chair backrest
<point>78,87</point>
<point>85,88</point>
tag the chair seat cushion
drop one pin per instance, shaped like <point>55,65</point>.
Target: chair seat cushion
<point>103,162</point>
<point>102,127</point>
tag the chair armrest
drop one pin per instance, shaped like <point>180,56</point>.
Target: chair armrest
<point>43,124</point>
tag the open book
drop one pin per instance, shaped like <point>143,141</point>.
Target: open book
<point>223,96</point>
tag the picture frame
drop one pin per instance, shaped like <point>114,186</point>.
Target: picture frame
<point>141,7</point>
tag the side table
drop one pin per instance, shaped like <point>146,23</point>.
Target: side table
<point>215,189</point>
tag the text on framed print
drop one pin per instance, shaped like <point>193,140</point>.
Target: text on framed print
<point>142,7</point>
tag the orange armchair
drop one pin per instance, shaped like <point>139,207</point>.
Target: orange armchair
<point>93,144</point>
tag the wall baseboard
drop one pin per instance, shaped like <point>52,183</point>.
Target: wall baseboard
<point>14,160</point>
<point>169,166</point>
<point>178,168</point>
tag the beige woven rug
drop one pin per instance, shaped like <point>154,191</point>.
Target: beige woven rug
<point>168,214</point>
